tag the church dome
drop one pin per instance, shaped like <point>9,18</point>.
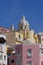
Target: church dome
<point>23,21</point>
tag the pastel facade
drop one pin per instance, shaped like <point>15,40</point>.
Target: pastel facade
<point>11,60</point>
<point>41,54</point>
<point>41,59</point>
<point>24,28</point>
<point>18,37</point>
<point>23,33</point>
<point>3,50</point>
<point>27,54</point>
<point>41,37</point>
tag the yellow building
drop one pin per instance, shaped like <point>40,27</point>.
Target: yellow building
<point>22,34</point>
<point>26,32</point>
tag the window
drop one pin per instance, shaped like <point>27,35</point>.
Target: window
<point>42,39</point>
<point>21,27</point>
<point>1,47</point>
<point>18,62</point>
<point>1,56</point>
<point>4,57</point>
<point>19,36</point>
<point>12,61</point>
<point>29,63</point>
<point>41,50</point>
<point>18,52</point>
<point>25,27</point>
<point>29,53</point>
<point>8,53</point>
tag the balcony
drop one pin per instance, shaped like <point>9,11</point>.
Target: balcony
<point>29,55</point>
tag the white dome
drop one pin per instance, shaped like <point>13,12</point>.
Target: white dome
<point>23,21</point>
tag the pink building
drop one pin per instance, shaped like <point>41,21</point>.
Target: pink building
<point>41,59</point>
<point>27,54</point>
<point>11,60</point>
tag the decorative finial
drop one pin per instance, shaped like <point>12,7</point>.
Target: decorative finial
<point>12,27</point>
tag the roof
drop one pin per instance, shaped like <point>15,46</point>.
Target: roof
<point>2,29</point>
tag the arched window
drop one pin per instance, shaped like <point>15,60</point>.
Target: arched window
<point>19,36</point>
<point>25,27</point>
<point>12,61</point>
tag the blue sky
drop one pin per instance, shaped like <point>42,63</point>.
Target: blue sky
<point>11,12</point>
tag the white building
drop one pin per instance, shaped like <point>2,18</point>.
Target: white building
<point>41,37</point>
<point>3,51</point>
<point>41,47</point>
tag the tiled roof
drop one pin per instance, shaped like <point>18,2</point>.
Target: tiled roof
<point>2,29</point>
